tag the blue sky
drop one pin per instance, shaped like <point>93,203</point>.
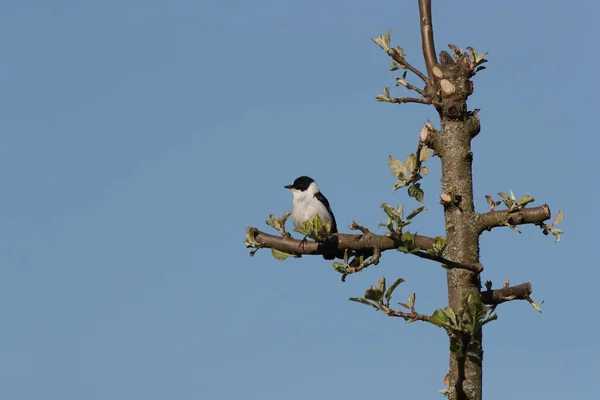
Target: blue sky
<point>140,138</point>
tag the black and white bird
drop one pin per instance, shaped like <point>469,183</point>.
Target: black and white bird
<point>307,202</point>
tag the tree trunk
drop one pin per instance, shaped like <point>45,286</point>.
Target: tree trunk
<point>453,144</point>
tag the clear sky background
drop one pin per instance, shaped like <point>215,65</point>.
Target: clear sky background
<point>140,138</point>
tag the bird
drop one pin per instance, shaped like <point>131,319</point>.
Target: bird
<point>308,201</point>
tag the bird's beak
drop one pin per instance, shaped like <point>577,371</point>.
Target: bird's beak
<point>288,186</point>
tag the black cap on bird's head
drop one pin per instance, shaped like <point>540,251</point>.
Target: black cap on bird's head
<point>302,183</point>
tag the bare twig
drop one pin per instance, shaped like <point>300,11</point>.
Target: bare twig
<point>413,87</point>
<point>402,61</point>
<point>427,35</point>
<point>409,316</point>
<point>477,268</point>
<point>493,219</point>
<point>401,100</point>
<point>357,227</point>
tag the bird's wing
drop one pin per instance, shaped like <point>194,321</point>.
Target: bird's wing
<point>324,200</point>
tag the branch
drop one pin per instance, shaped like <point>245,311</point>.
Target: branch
<point>343,241</point>
<point>493,219</point>
<point>427,35</point>
<point>402,61</point>
<point>408,316</point>
<point>477,268</point>
<point>353,268</point>
<point>401,100</point>
<point>498,296</point>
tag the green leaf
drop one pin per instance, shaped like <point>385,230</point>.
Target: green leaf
<point>250,235</point>
<point>556,233</point>
<point>490,201</point>
<point>393,286</point>
<point>424,154</point>
<point>512,195</point>
<point>524,200</point>
<point>398,169</point>
<point>315,229</point>
<point>416,212</point>
<point>375,293</point>
<point>385,97</point>
<point>280,255</point>
<point>491,318</point>
<point>451,315</point>
<point>536,306</point>
<point>339,267</point>
<point>399,184</point>
<point>411,162</point>
<point>400,211</point>
<point>416,192</point>
<point>278,223</point>
<point>439,318</point>
<point>439,245</point>
<point>391,212</point>
<point>505,198</point>
<point>424,170</point>
<point>559,217</point>
<point>383,41</point>
<point>480,57</point>
<point>408,240</point>
<point>364,301</point>
<point>411,301</point>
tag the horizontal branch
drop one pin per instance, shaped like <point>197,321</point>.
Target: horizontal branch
<point>400,100</point>
<point>498,296</point>
<point>343,241</point>
<point>494,219</point>
<point>409,316</point>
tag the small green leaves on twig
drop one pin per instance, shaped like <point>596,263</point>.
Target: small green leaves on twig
<point>408,243</point>
<point>315,229</point>
<point>379,298</point>
<point>410,303</point>
<point>472,316</point>
<point>279,223</point>
<point>409,172</point>
<point>551,228</point>
<point>385,97</point>
<point>374,295</point>
<point>493,204</point>
<point>357,264</point>
<point>474,61</point>
<point>511,202</point>
<point>384,40</point>
<point>395,222</point>
<point>439,245</point>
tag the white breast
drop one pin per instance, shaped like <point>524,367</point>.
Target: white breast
<point>305,206</point>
